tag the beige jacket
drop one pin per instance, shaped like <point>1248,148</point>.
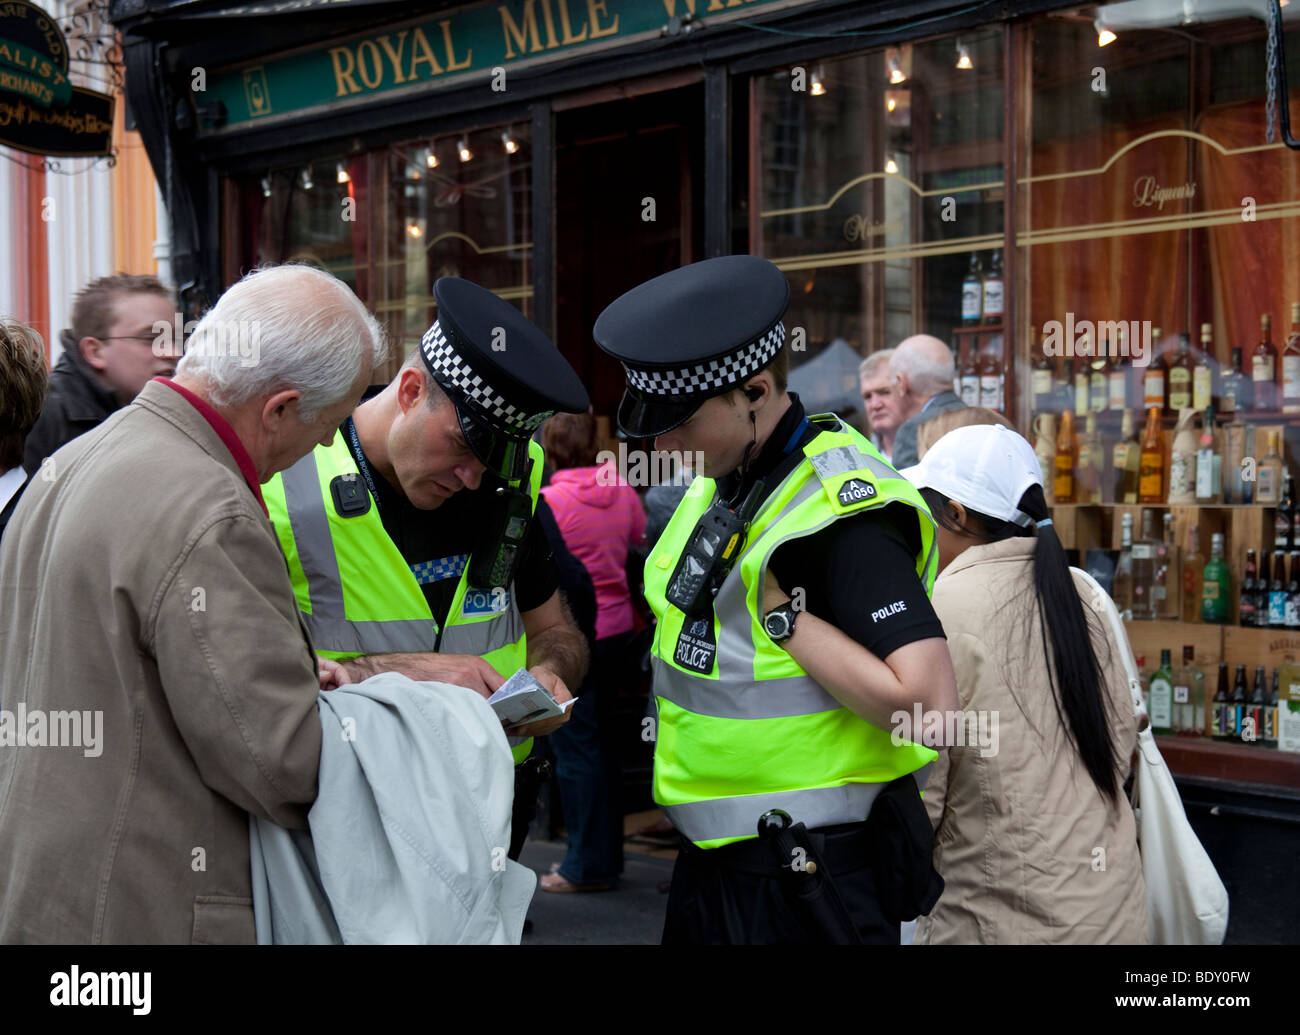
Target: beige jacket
<point>1029,850</point>
<point>144,582</point>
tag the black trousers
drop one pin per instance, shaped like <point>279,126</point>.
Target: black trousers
<point>713,902</point>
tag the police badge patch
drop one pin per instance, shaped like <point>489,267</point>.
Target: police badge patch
<point>697,645</point>
<point>855,490</point>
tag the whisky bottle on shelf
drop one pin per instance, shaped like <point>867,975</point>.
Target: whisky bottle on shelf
<point>1063,387</point>
<point>1247,608</point>
<point>1293,594</point>
<point>970,377</point>
<point>1067,455</point>
<point>1268,475</point>
<point>1277,593</point>
<point>1161,696</point>
<point>1099,381</point>
<point>1236,395</point>
<point>1291,364</point>
<point>1082,370</point>
<point>1151,474</point>
<point>1087,470</point>
<point>1144,569</point>
<point>1189,696</point>
<point>1041,379</point>
<point>1250,726</point>
<point>1180,376</point>
<point>1193,564</point>
<point>1263,369</point>
<point>1153,381</point>
<point>1218,717</point>
<point>992,291</point>
<point>1209,462</point>
<point>1203,372</point>
<point>1237,707</point>
<point>1121,376</point>
<point>1268,736</point>
<point>1123,582</point>
<point>1168,576</point>
<point>1125,461</point>
<point>972,293</point>
<point>1284,521</point>
<point>1216,585</point>
<point>990,374</point>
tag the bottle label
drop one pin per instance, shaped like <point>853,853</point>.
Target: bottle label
<point>1291,380</point>
<point>1118,396</point>
<point>1180,475</point>
<point>1180,396</point>
<point>1261,368</point>
<point>1201,388</point>
<point>992,298</point>
<point>1150,476</point>
<point>1181,695</point>
<point>989,394</point>
<point>1292,611</point>
<point>1229,398</point>
<point>1153,386</point>
<point>970,390</point>
<point>1142,551</point>
<point>1265,485</point>
<point>1042,383</point>
<point>1205,474</point>
<point>1210,590</point>
<point>1161,693</point>
<point>970,300</point>
<point>1277,607</point>
<point>1081,394</point>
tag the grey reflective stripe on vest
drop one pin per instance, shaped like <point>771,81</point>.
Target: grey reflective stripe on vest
<point>721,818</point>
<point>483,637</point>
<point>328,624</point>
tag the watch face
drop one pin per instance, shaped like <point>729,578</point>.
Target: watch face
<point>778,626</point>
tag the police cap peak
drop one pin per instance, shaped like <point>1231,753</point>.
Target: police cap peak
<point>691,334</point>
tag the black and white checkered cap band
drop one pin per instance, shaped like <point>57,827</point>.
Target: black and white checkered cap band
<point>713,376</point>
<point>447,364</point>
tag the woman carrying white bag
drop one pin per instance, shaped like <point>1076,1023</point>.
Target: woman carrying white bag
<point>1034,837</point>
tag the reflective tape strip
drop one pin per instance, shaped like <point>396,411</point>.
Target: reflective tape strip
<point>483,637</point>
<point>742,699</point>
<point>722,818</point>
<point>411,636</point>
<point>311,537</point>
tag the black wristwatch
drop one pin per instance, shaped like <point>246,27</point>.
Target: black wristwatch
<point>779,623</point>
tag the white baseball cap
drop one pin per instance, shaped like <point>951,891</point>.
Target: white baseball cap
<point>984,467</point>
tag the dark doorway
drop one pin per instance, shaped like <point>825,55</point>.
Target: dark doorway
<point>610,157</point>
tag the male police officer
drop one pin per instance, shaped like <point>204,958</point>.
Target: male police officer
<point>791,589</point>
<point>410,539</point>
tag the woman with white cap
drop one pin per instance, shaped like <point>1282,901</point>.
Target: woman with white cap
<point>1034,837</point>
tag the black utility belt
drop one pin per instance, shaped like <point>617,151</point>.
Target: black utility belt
<point>842,849</point>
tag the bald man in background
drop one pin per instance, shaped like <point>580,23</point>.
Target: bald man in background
<point>922,370</point>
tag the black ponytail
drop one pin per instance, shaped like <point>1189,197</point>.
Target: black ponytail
<point>1074,672</point>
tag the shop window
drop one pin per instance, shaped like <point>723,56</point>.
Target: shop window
<point>878,181</point>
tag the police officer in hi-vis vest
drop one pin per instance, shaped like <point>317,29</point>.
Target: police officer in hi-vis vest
<point>791,589</point>
<point>410,538</point>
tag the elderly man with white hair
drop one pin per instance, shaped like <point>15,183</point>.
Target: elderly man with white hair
<point>884,414</point>
<point>922,370</point>
<point>152,643</point>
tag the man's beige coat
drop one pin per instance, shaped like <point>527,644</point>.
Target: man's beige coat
<point>143,580</point>
<point>1029,850</point>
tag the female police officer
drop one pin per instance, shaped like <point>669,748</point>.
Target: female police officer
<point>791,589</point>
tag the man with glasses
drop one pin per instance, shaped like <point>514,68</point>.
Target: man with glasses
<point>109,355</point>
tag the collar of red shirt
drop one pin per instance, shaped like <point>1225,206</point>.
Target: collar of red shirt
<point>228,437</point>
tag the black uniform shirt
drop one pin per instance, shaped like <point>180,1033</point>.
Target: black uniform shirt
<point>858,573</point>
<point>452,529</point>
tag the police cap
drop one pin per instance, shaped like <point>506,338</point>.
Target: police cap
<point>691,334</point>
<point>500,371</point>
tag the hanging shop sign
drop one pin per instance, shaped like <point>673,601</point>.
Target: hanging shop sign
<point>41,111</point>
<point>487,40</point>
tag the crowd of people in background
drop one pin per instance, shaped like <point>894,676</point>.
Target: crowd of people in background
<point>1013,830</point>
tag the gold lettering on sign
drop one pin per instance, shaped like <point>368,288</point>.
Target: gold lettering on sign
<point>422,54</point>
<point>1146,192</point>
<point>371,82</point>
<point>395,56</point>
<point>595,8</point>
<point>549,19</point>
<point>569,37</point>
<point>512,30</point>
<point>343,81</point>
<point>452,65</point>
